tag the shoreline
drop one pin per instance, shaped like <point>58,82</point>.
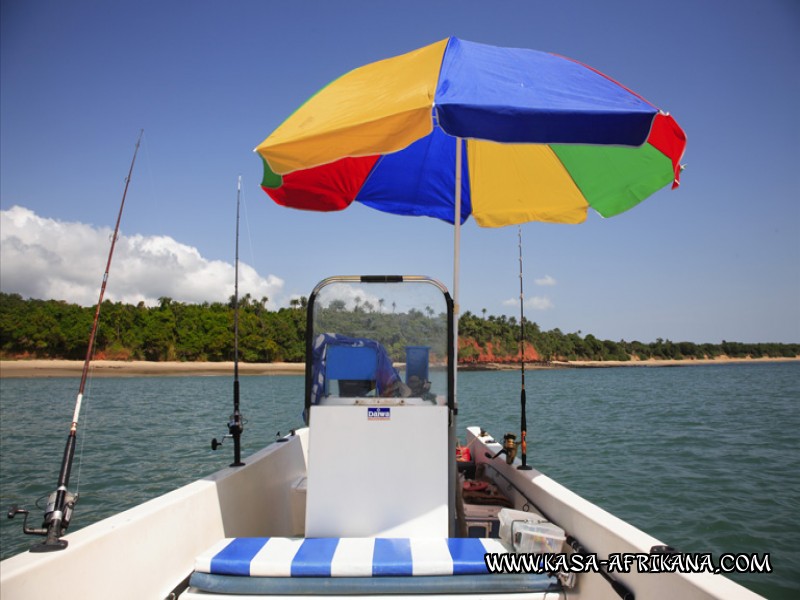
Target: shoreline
<point>140,368</point>
<point>111,368</point>
<point>609,364</point>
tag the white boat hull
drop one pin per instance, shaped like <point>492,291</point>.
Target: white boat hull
<point>149,551</point>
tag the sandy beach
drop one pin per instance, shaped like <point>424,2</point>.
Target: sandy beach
<point>140,368</point>
<point>111,368</point>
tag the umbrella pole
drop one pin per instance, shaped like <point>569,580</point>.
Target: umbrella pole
<point>522,399</point>
<point>456,260</point>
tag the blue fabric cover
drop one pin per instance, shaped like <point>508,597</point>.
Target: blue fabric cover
<point>386,374</point>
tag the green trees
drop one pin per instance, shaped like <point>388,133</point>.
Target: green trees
<point>169,331</point>
<point>503,334</point>
<point>204,332</point>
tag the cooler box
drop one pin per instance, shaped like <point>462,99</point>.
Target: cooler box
<point>482,520</point>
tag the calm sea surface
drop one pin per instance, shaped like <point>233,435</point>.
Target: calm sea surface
<point>705,458</point>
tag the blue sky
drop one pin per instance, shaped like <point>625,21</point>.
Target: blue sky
<point>719,258</point>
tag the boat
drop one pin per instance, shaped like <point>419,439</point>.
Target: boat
<point>375,496</point>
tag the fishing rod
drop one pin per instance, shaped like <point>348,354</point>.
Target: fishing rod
<point>510,443</point>
<point>235,423</point>
<point>522,400</point>
<point>61,503</point>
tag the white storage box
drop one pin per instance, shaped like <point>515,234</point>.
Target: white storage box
<point>530,532</point>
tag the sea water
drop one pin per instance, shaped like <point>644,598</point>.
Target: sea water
<point>704,458</point>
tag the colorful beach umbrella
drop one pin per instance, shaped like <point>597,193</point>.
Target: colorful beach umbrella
<point>543,138</point>
<point>457,128</point>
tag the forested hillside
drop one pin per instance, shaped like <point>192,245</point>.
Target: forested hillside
<point>170,331</point>
<point>204,332</point>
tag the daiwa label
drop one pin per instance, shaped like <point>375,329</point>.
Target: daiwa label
<point>379,414</point>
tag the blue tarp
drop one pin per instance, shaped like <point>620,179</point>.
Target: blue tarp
<point>386,376</point>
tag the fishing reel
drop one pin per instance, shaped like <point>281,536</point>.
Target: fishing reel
<point>52,514</point>
<point>235,429</point>
<point>509,448</point>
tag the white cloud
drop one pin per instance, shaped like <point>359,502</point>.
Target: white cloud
<point>547,280</point>
<point>539,303</point>
<point>49,259</point>
<point>536,303</point>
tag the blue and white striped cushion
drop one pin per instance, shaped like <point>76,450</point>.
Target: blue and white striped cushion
<point>347,557</point>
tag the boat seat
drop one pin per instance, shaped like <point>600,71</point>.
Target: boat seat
<point>347,557</point>
<point>357,565</point>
